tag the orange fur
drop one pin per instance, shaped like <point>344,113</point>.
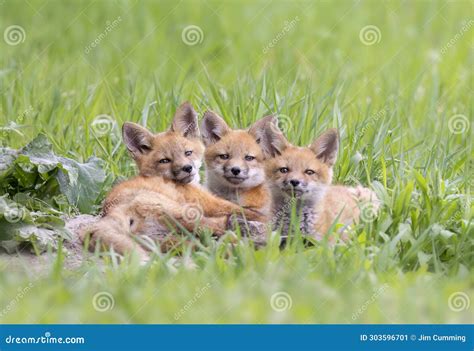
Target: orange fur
<point>305,174</point>
<point>235,162</point>
<point>165,195</point>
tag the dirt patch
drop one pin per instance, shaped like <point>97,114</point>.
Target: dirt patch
<point>74,253</point>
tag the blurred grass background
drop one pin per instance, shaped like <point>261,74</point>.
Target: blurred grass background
<point>397,103</point>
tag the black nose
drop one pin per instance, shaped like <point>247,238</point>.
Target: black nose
<point>294,182</point>
<point>235,170</point>
<point>187,168</point>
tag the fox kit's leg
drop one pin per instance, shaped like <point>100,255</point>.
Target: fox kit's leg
<point>257,199</point>
<point>113,232</point>
<point>190,216</point>
<point>213,206</point>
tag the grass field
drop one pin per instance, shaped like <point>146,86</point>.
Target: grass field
<point>395,78</point>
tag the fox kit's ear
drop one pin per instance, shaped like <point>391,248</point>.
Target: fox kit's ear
<point>326,145</point>
<point>213,128</point>
<point>272,140</point>
<point>257,130</point>
<point>185,121</point>
<point>137,139</point>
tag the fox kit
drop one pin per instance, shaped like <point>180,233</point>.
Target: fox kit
<point>235,162</point>
<point>166,191</point>
<point>303,175</point>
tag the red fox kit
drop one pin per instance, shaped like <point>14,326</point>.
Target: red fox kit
<point>304,174</point>
<point>235,162</point>
<point>165,191</point>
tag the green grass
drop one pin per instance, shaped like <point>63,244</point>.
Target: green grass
<point>393,102</point>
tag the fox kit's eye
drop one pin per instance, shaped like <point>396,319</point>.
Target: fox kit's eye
<point>284,170</point>
<point>164,160</point>
<point>188,153</point>
<point>249,158</point>
<point>309,172</point>
<point>224,157</point>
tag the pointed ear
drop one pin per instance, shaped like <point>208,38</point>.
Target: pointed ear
<point>213,128</point>
<point>257,130</point>
<point>185,121</point>
<point>272,141</point>
<point>326,145</point>
<point>137,139</point>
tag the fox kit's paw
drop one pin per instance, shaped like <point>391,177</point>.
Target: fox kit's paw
<point>252,214</point>
<point>255,231</point>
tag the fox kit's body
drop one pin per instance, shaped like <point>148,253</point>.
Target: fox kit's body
<point>165,194</point>
<point>235,163</point>
<point>301,177</point>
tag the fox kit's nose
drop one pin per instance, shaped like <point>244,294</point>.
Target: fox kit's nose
<point>235,170</point>
<point>294,182</point>
<point>187,168</point>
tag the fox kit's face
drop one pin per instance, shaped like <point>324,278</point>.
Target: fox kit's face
<point>175,154</point>
<point>233,158</point>
<point>302,172</point>
<point>297,172</point>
